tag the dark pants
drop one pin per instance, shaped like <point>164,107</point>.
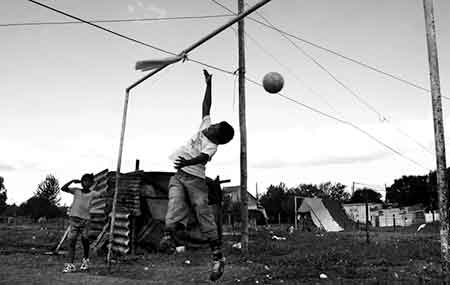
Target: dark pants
<point>78,226</point>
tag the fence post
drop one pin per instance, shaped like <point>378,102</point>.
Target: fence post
<point>393,218</point>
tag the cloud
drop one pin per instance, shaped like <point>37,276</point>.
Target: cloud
<point>160,12</point>
<point>138,6</point>
<point>6,167</point>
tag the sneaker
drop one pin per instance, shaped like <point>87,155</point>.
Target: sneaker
<point>167,245</point>
<point>218,267</point>
<point>84,264</point>
<point>69,267</point>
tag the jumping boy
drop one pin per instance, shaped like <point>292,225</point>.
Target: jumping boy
<point>79,217</point>
<point>189,184</point>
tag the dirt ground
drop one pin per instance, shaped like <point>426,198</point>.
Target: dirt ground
<point>401,257</point>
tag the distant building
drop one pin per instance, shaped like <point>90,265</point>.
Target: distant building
<point>379,217</point>
<point>234,192</point>
<point>404,216</point>
<point>357,211</point>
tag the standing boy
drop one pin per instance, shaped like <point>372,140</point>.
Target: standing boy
<point>189,183</point>
<point>79,217</point>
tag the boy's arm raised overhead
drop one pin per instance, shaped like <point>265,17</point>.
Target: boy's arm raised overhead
<point>207,99</point>
<point>66,188</point>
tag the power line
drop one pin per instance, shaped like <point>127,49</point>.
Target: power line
<point>358,62</point>
<point>274,58</point>
<point>230,72</point>
<point>381,117</point>
<point>353,60</point>
<point>359,129</point>
<point>321,66</point>
<point>115,20</point>
<point>124,36</point>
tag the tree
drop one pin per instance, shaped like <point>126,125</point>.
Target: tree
<point>37,207</point>
<point>49,190</point>
<point>11,211</point>
<point>334,191</point>
<point>3,195</point>
<point>272,200</point>
<point>305,190</point>
<point>410,190</point>
<point>372,196</point>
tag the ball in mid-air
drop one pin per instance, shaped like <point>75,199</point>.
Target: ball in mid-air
<point>273,82</point>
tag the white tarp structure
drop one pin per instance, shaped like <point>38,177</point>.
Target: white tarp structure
<point>319,214</point>
<point>429,217</point>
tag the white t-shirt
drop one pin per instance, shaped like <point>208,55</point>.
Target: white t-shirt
<point>198,144</point>
<point>81,204</point>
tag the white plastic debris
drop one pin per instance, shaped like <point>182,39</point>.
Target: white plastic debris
<point>291,230</point>
<point>146,268</point>
<point>274,237</point>
<point>323,276</point>
<point>396,275</point>
<point>187,261</point>
<point>180,249</point>
<point>421,227</point>
<point>237,245</point>
<point>266,267</point>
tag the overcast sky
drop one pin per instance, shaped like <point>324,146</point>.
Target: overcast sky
<point>63,86</point>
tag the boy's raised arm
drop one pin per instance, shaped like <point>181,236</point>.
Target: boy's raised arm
<point>66,188</point>
<point>207,99</point>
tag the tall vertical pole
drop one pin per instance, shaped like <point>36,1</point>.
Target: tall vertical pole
<point>295,211</point>
<point>243,130</point>
<point>366,198</point>
<point>438,129</point>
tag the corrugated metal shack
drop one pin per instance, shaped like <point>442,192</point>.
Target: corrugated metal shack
<point>141,208</point>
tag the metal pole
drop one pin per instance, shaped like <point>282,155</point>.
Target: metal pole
<point>438,130</point>
<point>204,39</point>
<point>127,94</point>
<point>243,130</point>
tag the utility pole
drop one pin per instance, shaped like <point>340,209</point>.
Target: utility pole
<point>438,130</point>
<point>243,131</point>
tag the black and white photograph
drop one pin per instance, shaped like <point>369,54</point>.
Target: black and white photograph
<point>224,142</point>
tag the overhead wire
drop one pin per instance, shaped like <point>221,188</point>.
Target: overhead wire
<point>341,55</point>
<point>135,20</point>
<point>379,141</point>
<point>274,58</point>
<point>126,37</point>
<point>381,117</point>
<point>232,73</point>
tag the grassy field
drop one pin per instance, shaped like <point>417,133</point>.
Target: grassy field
<point>401,257</point>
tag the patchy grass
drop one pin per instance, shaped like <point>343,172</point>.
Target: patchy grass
<point>401,257</point>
